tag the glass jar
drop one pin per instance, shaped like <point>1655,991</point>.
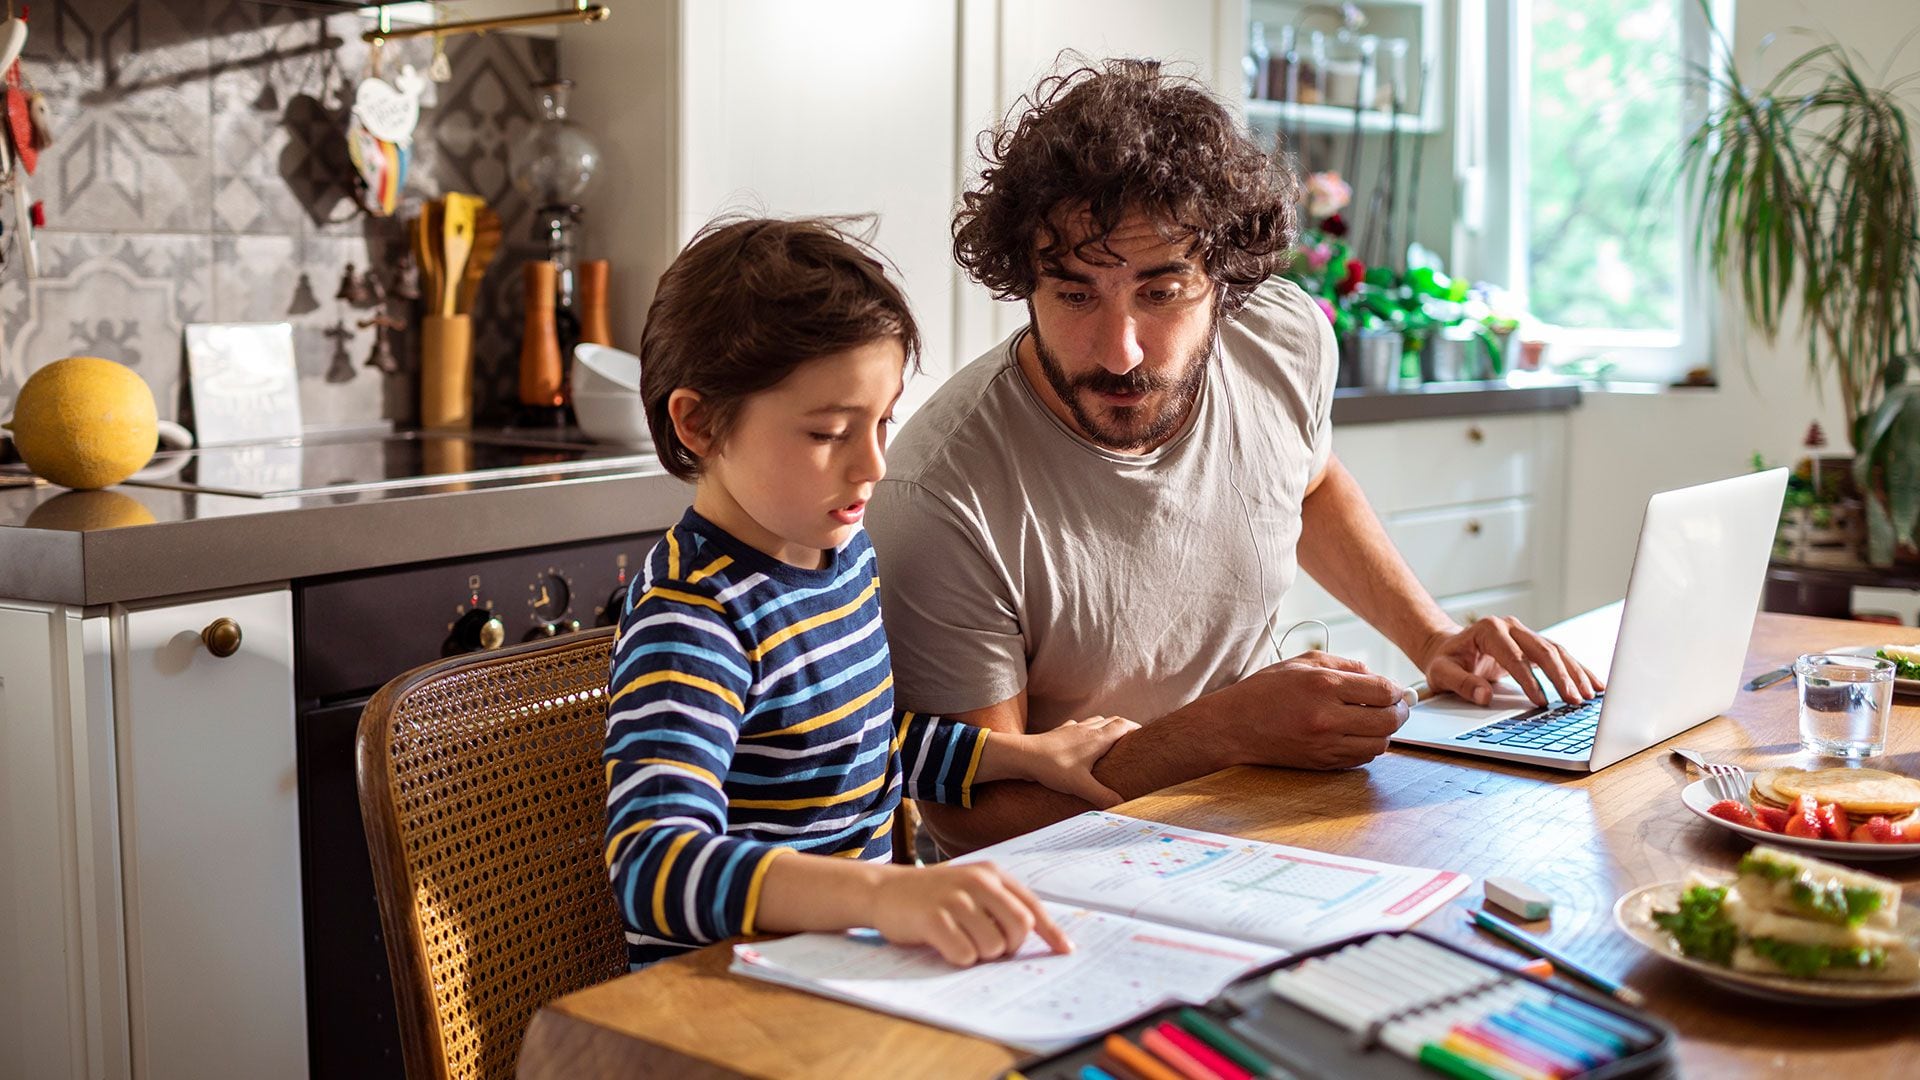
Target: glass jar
<point>1313,70</point>
<point>1258,62</point>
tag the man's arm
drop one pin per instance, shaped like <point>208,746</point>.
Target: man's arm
<point>1335,717</point>
<point>1346,549</point>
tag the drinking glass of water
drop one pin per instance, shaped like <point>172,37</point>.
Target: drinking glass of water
<point>1844,702</point>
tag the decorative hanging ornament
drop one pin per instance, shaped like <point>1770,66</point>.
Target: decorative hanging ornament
<point>380,136</point>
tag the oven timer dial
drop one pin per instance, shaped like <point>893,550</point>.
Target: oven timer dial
<point>549,597</point>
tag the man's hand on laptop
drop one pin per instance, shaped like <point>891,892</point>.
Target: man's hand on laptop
<point>1467,661</point>
<point>1337,714</point>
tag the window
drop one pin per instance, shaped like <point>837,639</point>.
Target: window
<point>1575,106</point>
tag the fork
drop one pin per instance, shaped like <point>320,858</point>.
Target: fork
<point>1727,781</point>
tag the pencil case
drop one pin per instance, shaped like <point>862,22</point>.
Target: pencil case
<point>1303,1043</point>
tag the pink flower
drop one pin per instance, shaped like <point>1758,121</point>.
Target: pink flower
<point>1318,256</point>
<point>1326,307</point>
<point>1327,194</point>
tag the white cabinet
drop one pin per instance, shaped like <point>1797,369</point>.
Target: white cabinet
<point>210,829</point>
<point>149,843</point>
<point>1476,506</point>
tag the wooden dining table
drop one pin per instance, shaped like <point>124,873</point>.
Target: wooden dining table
<point>1584,839</point>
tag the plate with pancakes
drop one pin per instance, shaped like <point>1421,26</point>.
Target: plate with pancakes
<point>1844,813</point>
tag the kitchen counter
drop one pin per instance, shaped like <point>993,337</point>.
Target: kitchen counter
<point>133,543</point>
<point>1353,405</point>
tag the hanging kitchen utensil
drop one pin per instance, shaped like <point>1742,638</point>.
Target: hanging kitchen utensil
<point>456,244</point>
<point>341,369</point>
<point>486,241</point>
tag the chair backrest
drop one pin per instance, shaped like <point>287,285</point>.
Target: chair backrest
<point>482,792</point>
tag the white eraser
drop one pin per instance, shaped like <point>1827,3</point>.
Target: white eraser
<point>1410,696</point>
<point>1518,897</point>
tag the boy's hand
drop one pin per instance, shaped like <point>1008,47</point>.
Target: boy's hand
<point>969,912</point>
<point>1063,758</point>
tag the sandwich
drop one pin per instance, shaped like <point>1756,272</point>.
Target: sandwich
<point>1785,914</point>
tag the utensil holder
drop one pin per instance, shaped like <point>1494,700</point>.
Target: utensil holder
<point>446,372</point>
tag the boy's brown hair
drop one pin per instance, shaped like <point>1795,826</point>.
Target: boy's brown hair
<point>748,301</point>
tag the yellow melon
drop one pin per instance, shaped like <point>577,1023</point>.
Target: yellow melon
<point>85,423</point>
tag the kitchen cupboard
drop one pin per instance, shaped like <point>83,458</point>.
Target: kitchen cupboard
<point>150,842</point>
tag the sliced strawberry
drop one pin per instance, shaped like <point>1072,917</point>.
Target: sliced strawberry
<point>1875,830</point>
<point>1728,810</point>
<point>1833,821</point>
<point>1770,818</point>
<point>1802,820</point>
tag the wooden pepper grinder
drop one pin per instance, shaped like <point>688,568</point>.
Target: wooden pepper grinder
<point>594,327</point>
<point>543,384</point>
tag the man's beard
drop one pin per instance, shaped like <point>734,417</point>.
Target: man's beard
<point>1134,427</point>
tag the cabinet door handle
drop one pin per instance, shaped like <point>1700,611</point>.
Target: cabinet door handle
<point>222,637</point>
<point>1475,435</point>
<point>1473,527</point>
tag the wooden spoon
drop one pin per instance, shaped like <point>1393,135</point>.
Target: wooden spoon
<point>486,241</point>
<point>456,243</point>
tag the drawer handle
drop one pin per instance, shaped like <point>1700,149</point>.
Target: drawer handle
<point>1473,527</point>
<point>222,637</point>
<point>1475,435</point>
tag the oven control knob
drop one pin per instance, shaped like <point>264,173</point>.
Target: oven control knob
<point>478,629</point>
<point>540,631</point>
<point>567,626</point>
<point>610,615</point>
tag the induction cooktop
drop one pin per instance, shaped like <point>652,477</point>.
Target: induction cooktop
<point>328,465</point>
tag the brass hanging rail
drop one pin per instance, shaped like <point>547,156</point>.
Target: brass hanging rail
<point>584,13</point>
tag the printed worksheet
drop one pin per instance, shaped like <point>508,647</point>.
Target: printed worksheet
<point>1119,968</point>
<point>1279,895</point>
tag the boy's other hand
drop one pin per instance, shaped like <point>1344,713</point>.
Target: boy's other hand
<point>969,912</point>
<point>1063,759</point>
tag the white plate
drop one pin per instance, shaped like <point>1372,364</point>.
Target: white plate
<point>1634,915</point>
<point>1698,796</point>
<point>1900,686</point>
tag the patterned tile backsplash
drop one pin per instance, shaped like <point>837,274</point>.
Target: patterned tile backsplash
<point>199,173</point>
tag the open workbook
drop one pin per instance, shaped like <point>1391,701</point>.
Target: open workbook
<point>1156,914</point>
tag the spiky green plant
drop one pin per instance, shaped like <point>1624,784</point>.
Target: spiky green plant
<point>1807,202</point>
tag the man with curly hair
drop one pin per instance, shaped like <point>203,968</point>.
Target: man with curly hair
<point>1101,515</point>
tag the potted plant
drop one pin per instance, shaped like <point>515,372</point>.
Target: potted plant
<point>1805,188</point>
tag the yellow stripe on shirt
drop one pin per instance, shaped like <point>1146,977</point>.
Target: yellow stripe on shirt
<point>710,569</point>
<point>900,731</point>
<point>835,799</point>
<point>804,625</point>
<point>673,556</point>
<point>614,844</point>
<point>966,782</point>
<point>660,880</point>
<point>679,597</point>
<point>684,679</point>
<point>753,887</point>
<point>826,718</point>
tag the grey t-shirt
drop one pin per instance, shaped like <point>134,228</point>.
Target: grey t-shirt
<point>1016,554</point>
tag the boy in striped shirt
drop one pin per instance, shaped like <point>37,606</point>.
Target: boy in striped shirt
<point>754,759</point>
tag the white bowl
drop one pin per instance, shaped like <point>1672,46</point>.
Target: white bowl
<point>612,418</point>
<point>602,369</point>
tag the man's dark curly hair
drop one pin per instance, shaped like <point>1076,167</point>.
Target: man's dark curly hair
<point>1111,139</point>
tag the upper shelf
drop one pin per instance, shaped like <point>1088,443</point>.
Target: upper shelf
<point>1272,115</point>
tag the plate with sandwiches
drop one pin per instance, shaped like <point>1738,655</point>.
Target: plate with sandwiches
<point>1906,663</point>
<point>1784,926</point>
<point>1846,813</point>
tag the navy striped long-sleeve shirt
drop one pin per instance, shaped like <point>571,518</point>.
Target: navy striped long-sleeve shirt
<point>749,714</point>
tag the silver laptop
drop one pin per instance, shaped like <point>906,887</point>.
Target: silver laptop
<point>1671,653</point>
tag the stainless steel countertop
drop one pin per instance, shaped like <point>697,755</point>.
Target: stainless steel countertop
<point>136,543</point>
<point>133,543</point>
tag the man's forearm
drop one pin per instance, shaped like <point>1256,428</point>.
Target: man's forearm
<point>1347,550</point>
<point>1175,748</point>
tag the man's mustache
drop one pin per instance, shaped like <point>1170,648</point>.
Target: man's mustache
<point>1133,382</point>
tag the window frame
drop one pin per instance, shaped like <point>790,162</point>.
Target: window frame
<point>1490,230</point>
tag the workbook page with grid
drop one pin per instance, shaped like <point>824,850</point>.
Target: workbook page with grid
<point>1285,896</point>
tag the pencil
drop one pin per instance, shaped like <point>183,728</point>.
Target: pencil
<point>1533,946</point>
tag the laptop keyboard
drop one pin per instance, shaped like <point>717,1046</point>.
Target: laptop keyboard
<point>1562,729</point>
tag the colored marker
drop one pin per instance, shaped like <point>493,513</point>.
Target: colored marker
<point>1230,1047</point>
<point>1182,1062</point>
<point>1533,946</point>
<point>1441,1059</point>
<point>1094,1072</point>
<point>1204,1054</point>
<point>1138,1061</point>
